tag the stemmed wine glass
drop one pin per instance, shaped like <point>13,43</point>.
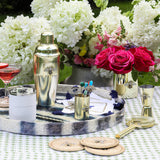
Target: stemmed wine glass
<point>6,75</point>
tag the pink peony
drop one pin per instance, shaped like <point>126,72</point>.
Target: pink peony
<point>89,62</point>
<point>99,46</point>
<point>78,59</point>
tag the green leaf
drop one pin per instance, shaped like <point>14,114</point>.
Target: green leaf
<point>101,3</point>
<point>147,78</point>
<point>91,27</point>
<point>61,65</point>
<point>134,2</point>
<point>1,84</point>
<point>62,58</point>
<point>129,14</point>
<point>135,74</point>
<point>123,29</point>
<point>156,19</point>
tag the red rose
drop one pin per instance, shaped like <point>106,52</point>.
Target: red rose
<point>121,61</point>
<point>143,59</point>
<point>101,59</point>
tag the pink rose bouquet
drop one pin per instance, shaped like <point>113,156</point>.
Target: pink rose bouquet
<point>122,60</point>
<point>117,55</point>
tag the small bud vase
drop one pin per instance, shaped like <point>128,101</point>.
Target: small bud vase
<point>125,85</point>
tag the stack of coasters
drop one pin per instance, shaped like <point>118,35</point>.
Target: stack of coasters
<point>66,144</point>
<point>96,145</point>
<point>102,146</point>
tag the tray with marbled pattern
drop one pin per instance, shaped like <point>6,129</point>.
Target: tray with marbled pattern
<point>50,124</point>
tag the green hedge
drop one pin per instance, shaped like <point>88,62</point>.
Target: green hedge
<point>15,6</point>
<point>9,6</point>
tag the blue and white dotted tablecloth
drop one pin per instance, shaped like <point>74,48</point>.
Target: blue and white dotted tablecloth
<point>141,144</point>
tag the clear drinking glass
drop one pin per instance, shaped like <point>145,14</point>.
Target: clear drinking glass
<point>6,75</point>
<point>147,92</point>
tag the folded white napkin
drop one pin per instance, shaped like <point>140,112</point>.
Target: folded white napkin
<point>98,105</point>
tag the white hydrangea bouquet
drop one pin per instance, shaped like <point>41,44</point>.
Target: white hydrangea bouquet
<point>75,28</point>
<point>18,40</point>
<point>78,32</point>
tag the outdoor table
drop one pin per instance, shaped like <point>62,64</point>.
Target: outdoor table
<point>140,144</point>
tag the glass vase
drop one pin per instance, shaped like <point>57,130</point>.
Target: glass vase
<point>125,85</point>
<point>146,92</point>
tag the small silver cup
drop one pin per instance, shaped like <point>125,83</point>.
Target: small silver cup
<point>82,107</point>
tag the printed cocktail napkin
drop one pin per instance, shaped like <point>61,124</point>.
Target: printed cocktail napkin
<point>98,105</point>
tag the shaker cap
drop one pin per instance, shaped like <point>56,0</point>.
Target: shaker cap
<point>47,45</point>
<point>47,38</point>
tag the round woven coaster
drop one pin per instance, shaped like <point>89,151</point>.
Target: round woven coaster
<point>106,152</point>
<point>66,144</point>
<point>99,142</point>
<point>4,102</point>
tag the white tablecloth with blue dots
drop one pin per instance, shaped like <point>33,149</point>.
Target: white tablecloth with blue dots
<point>141,144</point>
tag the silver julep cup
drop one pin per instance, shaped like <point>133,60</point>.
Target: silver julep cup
<point>81,107</point>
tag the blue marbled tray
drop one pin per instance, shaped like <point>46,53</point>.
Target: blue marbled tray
<point>50,124</point>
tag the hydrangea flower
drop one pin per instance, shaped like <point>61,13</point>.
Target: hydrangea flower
<point>19,38</point>
<point>41,8</point>
<point>110,18</point>
<point>92,43</point>
<point>145,30</point>
<point>69,20</point>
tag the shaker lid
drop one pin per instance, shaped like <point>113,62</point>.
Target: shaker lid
<point>47,45</point>
<point>47,38</point>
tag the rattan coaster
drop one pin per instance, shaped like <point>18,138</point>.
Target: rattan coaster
<point>4,102</point>
<point>106,152</point>
<point>99,142</point>
<point>66,144</point>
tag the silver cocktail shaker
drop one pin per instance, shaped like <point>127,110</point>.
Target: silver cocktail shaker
<point>46,70</point>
